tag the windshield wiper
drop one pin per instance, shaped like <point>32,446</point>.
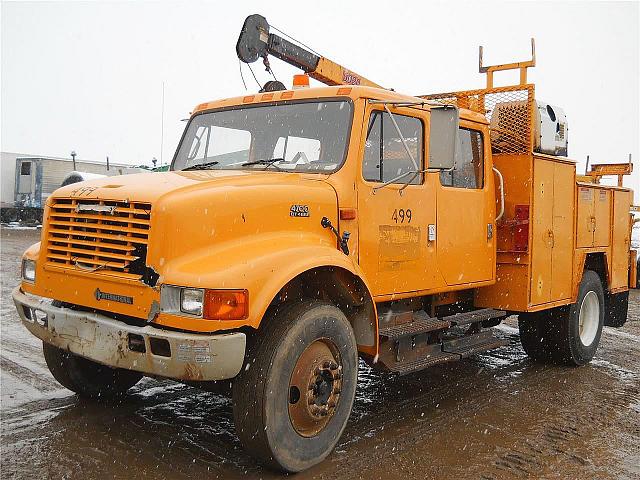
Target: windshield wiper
<point>200,166</point>
<point>268,163</point>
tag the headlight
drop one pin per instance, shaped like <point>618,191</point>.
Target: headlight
<point>28,270</point>
<point>191,300</point>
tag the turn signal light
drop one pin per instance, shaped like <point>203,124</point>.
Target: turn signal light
<point>347,214</point>
<point>300,80</point>
<point>226,304</point>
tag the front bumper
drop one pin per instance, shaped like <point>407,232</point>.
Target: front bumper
<point>150,350</point>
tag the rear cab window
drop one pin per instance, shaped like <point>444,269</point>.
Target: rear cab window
<point>468,171</point>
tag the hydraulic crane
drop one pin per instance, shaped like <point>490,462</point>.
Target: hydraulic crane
<point>256,41</point>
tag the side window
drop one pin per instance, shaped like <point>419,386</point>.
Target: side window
<point>385,158</point>
<point>469,167</point>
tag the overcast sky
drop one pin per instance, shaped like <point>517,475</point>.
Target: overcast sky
<point>87,76</point>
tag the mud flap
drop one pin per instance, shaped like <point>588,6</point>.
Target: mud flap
<point>616,306</point>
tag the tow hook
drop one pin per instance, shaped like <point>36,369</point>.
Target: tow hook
<point>342,240</point>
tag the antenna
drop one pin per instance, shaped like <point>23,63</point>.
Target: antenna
<point>522,66</point>
<point>162,127</point>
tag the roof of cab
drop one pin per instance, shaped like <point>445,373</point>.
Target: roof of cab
<point>353,92</point>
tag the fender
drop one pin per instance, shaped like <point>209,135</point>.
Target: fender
<point>275,259</point>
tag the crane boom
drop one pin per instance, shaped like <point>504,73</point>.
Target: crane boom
<point>256,41</point>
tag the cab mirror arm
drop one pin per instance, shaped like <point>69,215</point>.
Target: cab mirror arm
<point>343,240</point>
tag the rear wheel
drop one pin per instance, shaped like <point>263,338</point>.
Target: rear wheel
<point>292,400</point>
<point>570,334</point>
<point>85,377</point>
<point>576,337</point>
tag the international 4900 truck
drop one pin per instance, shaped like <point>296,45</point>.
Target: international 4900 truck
<point>299,230</point>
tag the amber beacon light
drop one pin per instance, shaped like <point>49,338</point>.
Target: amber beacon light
<point>300,81</point>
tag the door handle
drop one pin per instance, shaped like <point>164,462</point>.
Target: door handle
<point>501,193</point>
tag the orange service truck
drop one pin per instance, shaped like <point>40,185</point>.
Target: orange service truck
<point>298,230</point>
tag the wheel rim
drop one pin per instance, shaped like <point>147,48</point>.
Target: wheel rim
<point>589,318</point>
<point>314,388</point>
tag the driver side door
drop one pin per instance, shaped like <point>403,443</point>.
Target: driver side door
<point>394,219</point>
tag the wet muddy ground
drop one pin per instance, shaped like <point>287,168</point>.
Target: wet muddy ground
<point>496,415</point>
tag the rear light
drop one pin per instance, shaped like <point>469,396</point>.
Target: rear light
<point>521,228</point>
<point>226,304</point>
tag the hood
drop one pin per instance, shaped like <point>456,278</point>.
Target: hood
<point>200,213</point>
<point>151,187</point>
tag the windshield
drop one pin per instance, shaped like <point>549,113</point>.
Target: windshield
<point>300,137</point>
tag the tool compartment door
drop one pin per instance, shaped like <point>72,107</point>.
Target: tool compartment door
<point>542,232</point>
<point>563,210</point>
<point>620,243</point>
<point>602,217</point>
<point>585,219</point>
<point>552,231</point>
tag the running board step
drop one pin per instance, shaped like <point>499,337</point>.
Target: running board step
<point>414,328</point>
<point>475,316</point>
<point>404,368</point>
<point>470,345</point>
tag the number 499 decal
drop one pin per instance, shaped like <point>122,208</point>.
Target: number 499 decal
<point>401,216</point>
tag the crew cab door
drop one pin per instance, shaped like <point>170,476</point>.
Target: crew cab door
<point>393,219</point>
<point>466,251</point>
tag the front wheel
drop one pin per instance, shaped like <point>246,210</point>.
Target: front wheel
<point>292,400</point>
<point>85,377</point>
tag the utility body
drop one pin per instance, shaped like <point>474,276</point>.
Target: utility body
<point>300,229</point>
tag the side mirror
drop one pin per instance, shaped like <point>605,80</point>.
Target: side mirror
<point>443,137</point>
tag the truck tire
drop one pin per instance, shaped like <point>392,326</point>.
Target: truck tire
<point>292,400</point>
<point>533,329</point>
<point>617,306</point>
<point>574,339</point>
<point>85,377</point>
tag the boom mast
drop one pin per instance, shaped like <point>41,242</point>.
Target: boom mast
<point>256,41</point>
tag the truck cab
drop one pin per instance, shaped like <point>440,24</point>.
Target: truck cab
<point>250,184</point>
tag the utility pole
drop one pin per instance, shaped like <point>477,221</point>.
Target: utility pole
<point>73,156</point>
<point>107,163</point>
